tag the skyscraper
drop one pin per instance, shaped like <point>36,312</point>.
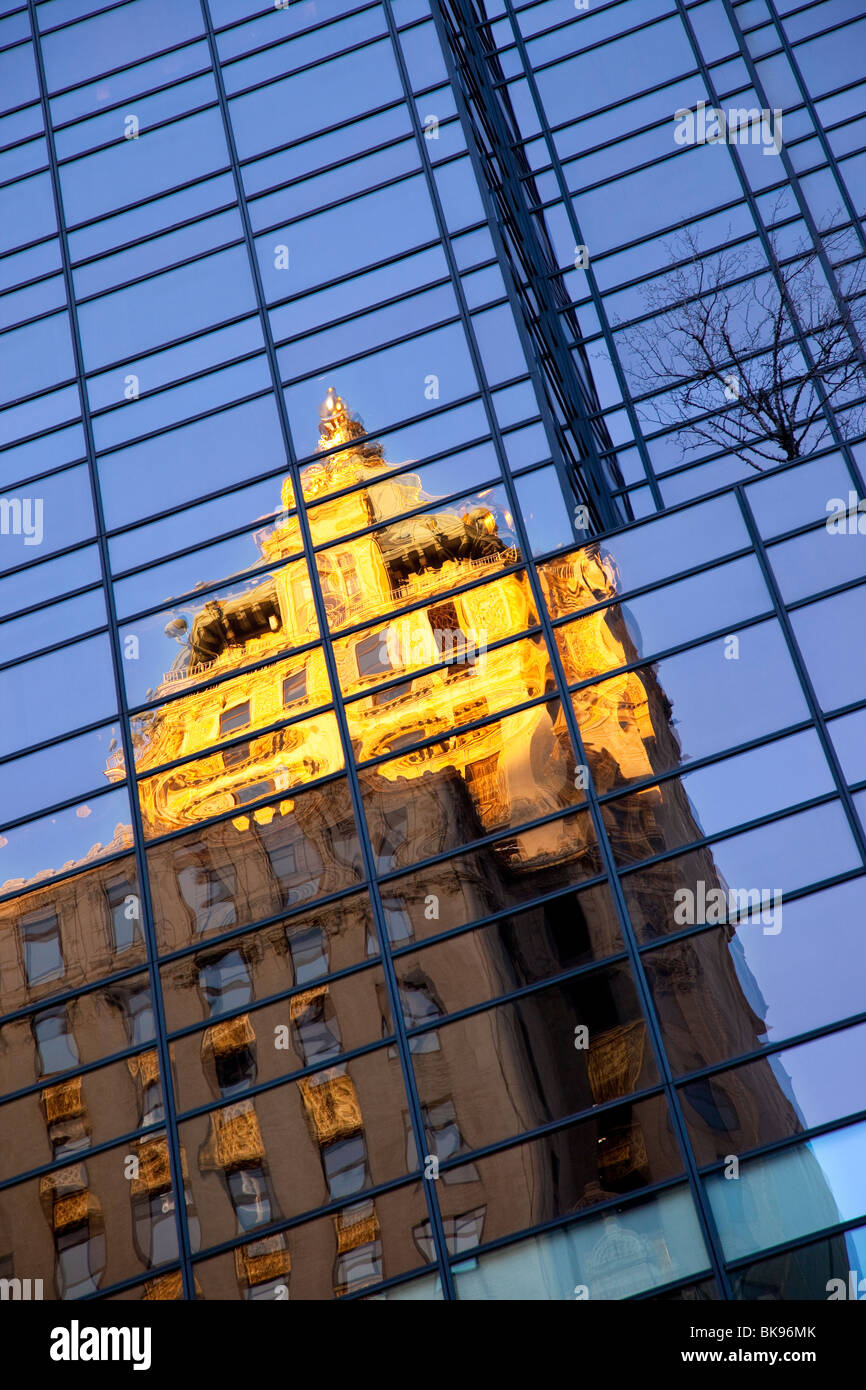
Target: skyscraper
<point>432,772</point>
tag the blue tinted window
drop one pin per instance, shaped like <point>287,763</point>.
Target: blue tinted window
<point>26,213</point>
<point>177,467</point>
<point>35,299</point>
<point>55,512</point>
<point>187,359</point>
<point>132,170</point>
<point>31,711</point>
<point>18,80</point>
<point>313,100</point>
<point>38,356</point>
<point>113,125</point>
<point>117,38</point>
<point>167,306</point>
<point>40,455</point>
<point>121,86</point>
<point>153,255</point>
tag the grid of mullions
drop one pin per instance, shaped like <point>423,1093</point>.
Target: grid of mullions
<point>600,133</point>
<point>445,1240</point>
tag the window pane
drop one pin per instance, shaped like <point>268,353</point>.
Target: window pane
<point>195,398</point>
<point>836,663</point>
<point>178,648</point>
<point>789,854</point>
<point>505,773</point>
<point>791,1193</point>
<point>391,384</point>
<point>187,359</point>
<point>505,873</point>
<point>131,170</point>
<point>404,315</point>
<point>242,776</point>
<point>120,230</point>
<point>76,1258</point>
<point>30,711</point>
<point>36,299</point>
<point>318,942</point>
<point>469,687</point>
<point>400,492</point>
<point>473,537</point>
<point>400,278</point>
<point>23,159</point>
<point>116,39</point>
<point>18,80</point>
<point>51,624</point>
<point>16,421</point>
<point>97,276</point>
<point>203,567</point>
<point>666,617</point>
<point>279,57</point>
<point>177,467</point>
<point>350,1252</point>
<point>777,1096</point>
<point>524,949</point>
<point>819,560</point>
<point>65,840</point>
<point>710,799</point>
<point>523,1079</point>
<point>315,99</point>
<point>245,870</point>
<point>803,1274</point>
<point>57,773</point>
<point>94,1024</point>
<point>72,1118</point>
<point>643,555</point>
<point>50,580</point>
<point>849,738</point>
<point>384,224</point>
<point>332,186</point>
<point>319,1025</point>
<point>95,917</point>
<point>247,1140</point>
<point>621,1150</point>
<point>484,614</point>
<point>41,455</point>
<point>591,1255</point>
<point>660,717</point>
<point>172,305</point>
<point>26,214</point>
<point>128,82</point>
<point>775,984</point>
<point>111,125</point>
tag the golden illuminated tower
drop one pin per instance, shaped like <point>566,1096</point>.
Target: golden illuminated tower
<point>515,771</point>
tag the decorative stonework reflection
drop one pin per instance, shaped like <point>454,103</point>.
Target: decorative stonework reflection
<point>287,837</point>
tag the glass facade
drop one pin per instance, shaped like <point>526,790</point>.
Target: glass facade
<point>433,759</point>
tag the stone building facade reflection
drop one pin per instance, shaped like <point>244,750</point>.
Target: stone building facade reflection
<point>285,852</point>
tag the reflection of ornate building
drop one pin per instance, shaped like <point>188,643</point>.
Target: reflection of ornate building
<point>287,840</point>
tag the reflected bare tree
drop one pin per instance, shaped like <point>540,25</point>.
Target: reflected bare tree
<point>720,360</point>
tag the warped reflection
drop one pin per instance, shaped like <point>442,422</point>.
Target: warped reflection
<point>448,682</point>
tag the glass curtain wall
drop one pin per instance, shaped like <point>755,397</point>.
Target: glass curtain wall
<point>432,775</point>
